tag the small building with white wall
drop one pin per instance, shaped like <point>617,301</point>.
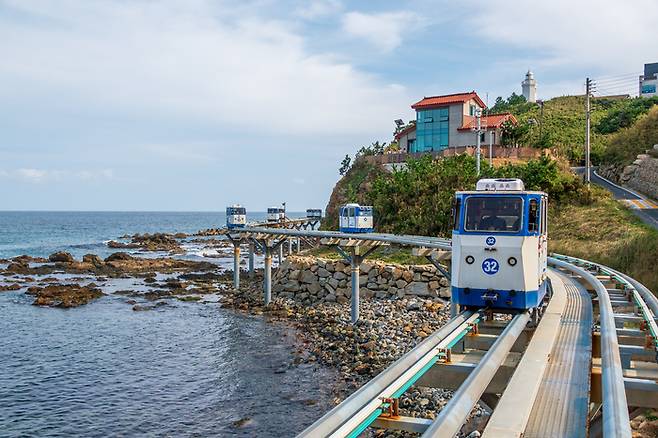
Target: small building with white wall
<point>649,80</point>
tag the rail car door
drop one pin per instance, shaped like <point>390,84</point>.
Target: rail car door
<point>351,217</point>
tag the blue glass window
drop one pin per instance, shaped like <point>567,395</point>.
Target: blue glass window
<point>431,130</point>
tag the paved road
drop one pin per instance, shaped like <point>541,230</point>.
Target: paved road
<point>644,208</point>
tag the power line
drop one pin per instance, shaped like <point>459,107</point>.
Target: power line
<point>619,76</point>
<point>624,81</point>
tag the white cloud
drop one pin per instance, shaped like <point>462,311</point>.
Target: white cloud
<point>37,176</point>
<point>609,35</point>
<point>384,30</point>
<point>202,63</point>
<point>318,8</point>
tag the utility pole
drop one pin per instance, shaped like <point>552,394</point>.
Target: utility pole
<point>589,87</point>
<point>491,134</point>
<point>478,115</point>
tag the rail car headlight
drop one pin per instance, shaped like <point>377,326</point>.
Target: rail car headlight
<point>511,261</point>
<point>470,260</point>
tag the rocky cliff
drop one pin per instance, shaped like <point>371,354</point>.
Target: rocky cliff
<point>641,175</point>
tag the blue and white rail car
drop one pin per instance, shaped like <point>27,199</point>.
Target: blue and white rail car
<point>236,217</point>
<point>355,218</point>
<point>499,246</point>
<point>275,214</point>
<point>314,213</point>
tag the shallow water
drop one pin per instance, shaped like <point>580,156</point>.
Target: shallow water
<point>192,370</point>
<point>184,369</point>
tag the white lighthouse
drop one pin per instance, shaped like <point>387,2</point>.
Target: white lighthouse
<point>529,87</point>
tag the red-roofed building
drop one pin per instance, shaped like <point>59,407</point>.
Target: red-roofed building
<point>450,121</point>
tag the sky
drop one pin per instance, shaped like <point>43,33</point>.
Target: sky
<point>195,105</point>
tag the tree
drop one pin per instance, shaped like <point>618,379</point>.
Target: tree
<point>345,165</point>
<point>375,148</point>
<point>514,134</point>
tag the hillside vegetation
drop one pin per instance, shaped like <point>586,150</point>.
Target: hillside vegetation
<point>585,222</point>
<point>562,124</point>
<point>625,145</point>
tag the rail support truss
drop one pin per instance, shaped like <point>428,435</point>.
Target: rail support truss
<point>355,256</point>
<point>236,241</point>
<point>268,247</point>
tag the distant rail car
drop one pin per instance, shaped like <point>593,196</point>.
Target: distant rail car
<point>355,218</point>
<point>314,213</point>
<point>236,216</point>
<point>499,246</point>
<point>276,214</point>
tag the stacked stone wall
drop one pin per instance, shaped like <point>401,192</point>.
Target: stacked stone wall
<point>312,280</point>
<point>641,175</point>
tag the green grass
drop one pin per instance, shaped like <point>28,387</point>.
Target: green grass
<point>608,233</point>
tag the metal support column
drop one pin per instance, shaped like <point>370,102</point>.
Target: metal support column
<point>355,270</point>
<point>252,249</point>
<point>289,246</point>
<point>299,245</point>
<point>280,254</point>
<point>236,265</point>
<point>267,282</point>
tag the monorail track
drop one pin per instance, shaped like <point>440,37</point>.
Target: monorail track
<point>591,356</point>
<point>546,381</point>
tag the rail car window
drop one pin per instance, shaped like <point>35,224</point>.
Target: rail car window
<point>456,210</point>
<point>499,213</point>
<point>533,216</point>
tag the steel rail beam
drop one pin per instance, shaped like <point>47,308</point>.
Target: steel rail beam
<point>429,242</point>
<point>353,411</point>
<point>646,302</point>
<point>616,422</point>
<point>649,298</point>
<point>454,414</point>
<point>511,416</point>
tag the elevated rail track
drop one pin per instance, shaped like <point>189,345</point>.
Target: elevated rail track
<point>591,357</point>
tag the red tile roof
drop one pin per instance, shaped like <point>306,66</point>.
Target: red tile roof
<point>405,131</point>
<point>434,101</point>
<point>489,121</point>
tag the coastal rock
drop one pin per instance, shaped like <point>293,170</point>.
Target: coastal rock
<point>61,257</point>
<point>151,242</point>
<point>119,256</point>
<point>66,295</point>
<point>92,259</point>
<point>10,287</point>
<point>25,259</point>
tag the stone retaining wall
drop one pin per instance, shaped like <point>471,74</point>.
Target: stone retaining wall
<point>641,175</point>
<point>312,280</point>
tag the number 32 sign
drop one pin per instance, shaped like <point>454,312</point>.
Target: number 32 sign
<point>490,266</point>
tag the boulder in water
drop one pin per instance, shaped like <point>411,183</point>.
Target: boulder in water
<point>62,257</point>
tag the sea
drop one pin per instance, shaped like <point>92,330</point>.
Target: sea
<point>99,370</point>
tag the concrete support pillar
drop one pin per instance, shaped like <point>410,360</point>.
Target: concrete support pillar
<point>289,246</point>
<point>236,265</point>
<point>267,282</point>
<point>355,270</point>
<point>299,245</point>
<point>252,250</point>
<point>280,253</point>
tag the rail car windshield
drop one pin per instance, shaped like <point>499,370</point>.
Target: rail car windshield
<point>493,213</point>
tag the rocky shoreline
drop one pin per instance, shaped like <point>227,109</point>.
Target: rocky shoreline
<point>400,306</point>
